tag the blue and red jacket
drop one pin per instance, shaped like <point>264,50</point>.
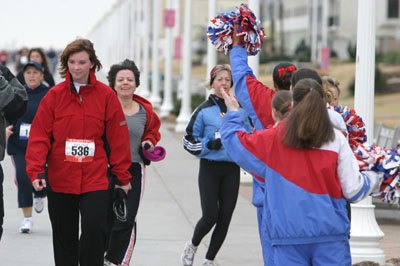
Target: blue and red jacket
<point>306,190</point>
<point>254,96</point>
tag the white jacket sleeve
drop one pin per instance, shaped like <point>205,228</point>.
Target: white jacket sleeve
<point>355,185</point>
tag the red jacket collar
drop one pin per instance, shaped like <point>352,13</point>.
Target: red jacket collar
<point>92,79</point>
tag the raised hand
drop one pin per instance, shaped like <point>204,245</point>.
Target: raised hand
<point>230,100</point>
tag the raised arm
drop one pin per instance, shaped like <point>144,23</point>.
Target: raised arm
<point>254,96</point>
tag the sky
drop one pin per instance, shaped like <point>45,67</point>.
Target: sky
<point>48,23</point>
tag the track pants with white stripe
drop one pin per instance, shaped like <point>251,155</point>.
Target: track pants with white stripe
<point>123,234</point>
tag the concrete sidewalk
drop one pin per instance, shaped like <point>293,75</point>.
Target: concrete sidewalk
<point>166,219</point>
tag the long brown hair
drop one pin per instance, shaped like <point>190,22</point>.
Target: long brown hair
<point>45,65</point>
<point>77,46</point>
<point>308,124</point>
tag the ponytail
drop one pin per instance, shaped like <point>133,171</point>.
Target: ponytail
<point>308,124</point>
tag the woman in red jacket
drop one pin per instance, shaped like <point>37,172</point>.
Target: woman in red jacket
<point>143,125</point>
<point>72,124</point>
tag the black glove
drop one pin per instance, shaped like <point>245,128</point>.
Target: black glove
<point>119,204</point>
<point>214,144</point>
<point>144,159</point>
<point>6,73</point>
<point>15,109</point>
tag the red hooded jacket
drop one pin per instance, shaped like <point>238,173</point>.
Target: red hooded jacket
<point>64,114</point>
<point>152,127</point>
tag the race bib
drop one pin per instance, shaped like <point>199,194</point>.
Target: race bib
<point>79,150</point>
<point>24,130</point>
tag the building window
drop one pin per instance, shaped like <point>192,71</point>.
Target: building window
<point>393,8</point>
<point>333,15</point>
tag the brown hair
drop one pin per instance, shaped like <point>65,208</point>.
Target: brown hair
<point>282,75</point>
<point>305,73</point>
<point>308,124</point>
<point>45,64</point>
<point>77,46</point>
<point>281,102</point>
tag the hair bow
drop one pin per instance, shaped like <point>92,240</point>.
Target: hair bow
<point>282,70</point>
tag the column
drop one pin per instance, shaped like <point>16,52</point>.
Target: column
<point>211,50</point>
<point>365,232</point>
<point>167,104</point>
<point>254,61</point>
<point>144,77</point>
<point>155,75</point>
<point>314,30</point>
<point>185,111</point>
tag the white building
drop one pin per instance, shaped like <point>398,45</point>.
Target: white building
<point>336,24</point>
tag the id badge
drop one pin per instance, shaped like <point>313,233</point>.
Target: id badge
<point>79,150</point>
<point>24,130</point>
<point>217,134</point>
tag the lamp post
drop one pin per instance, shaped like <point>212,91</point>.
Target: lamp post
<point>365,232</point>
<point>155,80</point>
<point>211,51</point>
<point>185,111</point>
<point>254,61</point>
<point>167,104</point>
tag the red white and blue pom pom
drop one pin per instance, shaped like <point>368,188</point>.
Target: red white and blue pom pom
<point>384,161</point>
<point>355,126</point>
<point>247,26</point>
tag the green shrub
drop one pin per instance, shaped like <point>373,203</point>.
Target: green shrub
<point>352,51</point>
<point>197,99</point>
<point>379,86</point>
<point>302,52</point>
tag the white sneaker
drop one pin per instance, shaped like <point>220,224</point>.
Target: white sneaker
<point>209,263</point>
<point>26,226</point>
<point>38,204</point>
<point>187,256</point>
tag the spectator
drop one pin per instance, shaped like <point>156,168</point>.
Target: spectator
<point>256,98</point>
<point>53,58</point>
<point>3,57</point>
<point>21,59</point>
<point>13,98</point>
<point>332,90</point>
<point>37,55</point>
<point>305,200</point>
<point>18,135</point>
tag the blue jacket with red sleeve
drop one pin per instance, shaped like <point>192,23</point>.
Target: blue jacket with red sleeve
<point>306,190</point>
<point>253,95</point>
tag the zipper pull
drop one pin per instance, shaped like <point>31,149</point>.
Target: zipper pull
<point>80,97</point>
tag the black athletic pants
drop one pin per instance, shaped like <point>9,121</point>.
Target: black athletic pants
<point>64,211</point>
<point>123,234</point>
<point>219,188</point>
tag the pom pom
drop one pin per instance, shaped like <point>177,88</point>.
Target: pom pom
<point>384,161</point>
<point>247,26</point>
<point>354,124</point>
